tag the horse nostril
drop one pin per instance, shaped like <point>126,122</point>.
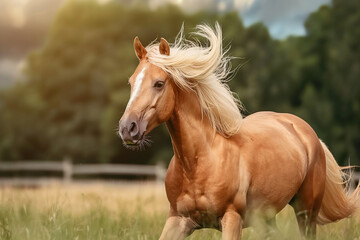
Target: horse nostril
<point>133,129</point>
<point>132,126</point>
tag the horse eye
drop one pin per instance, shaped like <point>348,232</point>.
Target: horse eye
<point>159,84</point>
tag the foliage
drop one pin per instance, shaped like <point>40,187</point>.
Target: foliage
<point>77,82</point>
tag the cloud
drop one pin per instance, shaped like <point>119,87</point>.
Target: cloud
<point>243,4</point>
<point>191,6</point>
<point>215,5</point>
<point>194,6</point>
<point>283,17</point>
<point>157,3</point>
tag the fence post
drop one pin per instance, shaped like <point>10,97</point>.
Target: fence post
<point>67,170</point>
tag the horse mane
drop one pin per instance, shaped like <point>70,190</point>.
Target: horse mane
<point>204,70</point>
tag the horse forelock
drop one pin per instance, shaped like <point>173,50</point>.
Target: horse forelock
<point>204,70</point>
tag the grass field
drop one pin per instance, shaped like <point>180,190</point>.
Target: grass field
<point>122,211</point>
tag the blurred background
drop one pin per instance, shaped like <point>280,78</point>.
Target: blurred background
<point>64,67</point>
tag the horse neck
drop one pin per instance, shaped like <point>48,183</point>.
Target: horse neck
<point>190,130</point>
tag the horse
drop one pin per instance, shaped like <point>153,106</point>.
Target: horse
<point>225,165</point>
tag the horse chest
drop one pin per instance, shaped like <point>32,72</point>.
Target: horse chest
<point>199,208</point>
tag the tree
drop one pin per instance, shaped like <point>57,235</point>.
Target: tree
<point>77,81</point>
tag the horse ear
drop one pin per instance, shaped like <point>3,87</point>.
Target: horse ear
<point>164,47</point>
<point>139,49</point>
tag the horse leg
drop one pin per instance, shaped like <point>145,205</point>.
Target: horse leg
<point>231,225</point>
<point>177,228</point>
<point>307,201</point>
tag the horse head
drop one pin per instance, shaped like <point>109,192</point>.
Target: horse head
<point>152,98</point>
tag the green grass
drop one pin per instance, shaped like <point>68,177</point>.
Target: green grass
<point>120,212</point>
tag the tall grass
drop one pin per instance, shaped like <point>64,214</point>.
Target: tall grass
<point>124,211</point>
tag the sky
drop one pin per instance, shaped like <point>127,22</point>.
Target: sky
<point>23,26</point>
<point>23,23</point>
<point>282,17</point>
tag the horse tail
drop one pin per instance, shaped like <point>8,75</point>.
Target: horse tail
<point>338,202</point>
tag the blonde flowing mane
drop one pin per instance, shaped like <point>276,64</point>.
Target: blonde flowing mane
<point>204,70</point>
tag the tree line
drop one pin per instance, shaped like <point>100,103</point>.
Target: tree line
<point>76,87</point>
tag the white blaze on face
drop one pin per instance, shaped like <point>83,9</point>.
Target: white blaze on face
<point>137,85</point>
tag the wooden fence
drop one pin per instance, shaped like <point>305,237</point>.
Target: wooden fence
<point>68,172</point>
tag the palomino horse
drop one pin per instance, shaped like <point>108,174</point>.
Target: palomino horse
<point>225,166</point>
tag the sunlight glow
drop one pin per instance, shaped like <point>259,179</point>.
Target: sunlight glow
<point>15,11</point>
<point>243,4</point>
<point>103,1</point>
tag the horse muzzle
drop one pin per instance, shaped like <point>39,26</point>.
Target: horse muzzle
<point>132,130</point>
